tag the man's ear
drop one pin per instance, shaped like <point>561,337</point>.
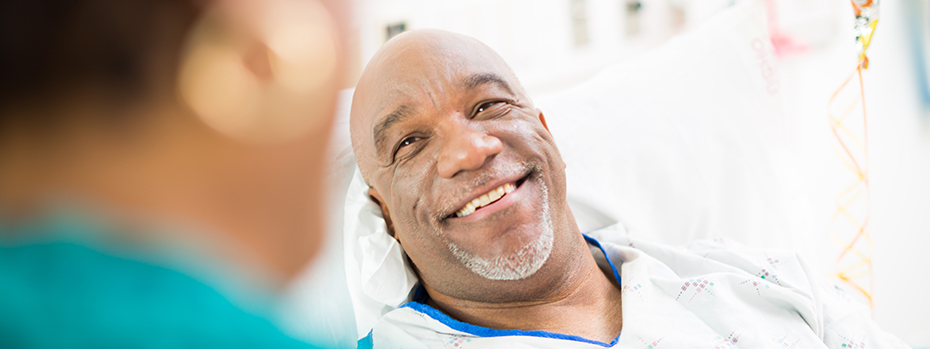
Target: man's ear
<point>373,194</point>
<point>542,119</point>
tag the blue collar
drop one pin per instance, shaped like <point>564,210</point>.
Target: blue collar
<point>419,304</point>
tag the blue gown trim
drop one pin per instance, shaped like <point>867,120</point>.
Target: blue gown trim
<point>419,304</point>
<point>366,342</point>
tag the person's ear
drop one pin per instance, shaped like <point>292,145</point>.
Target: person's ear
<point>542,119</point>
<point>376,197</point>
<point>262,70</point>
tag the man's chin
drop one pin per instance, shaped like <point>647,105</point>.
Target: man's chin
<point>515,252</point>
<point>515,262</point>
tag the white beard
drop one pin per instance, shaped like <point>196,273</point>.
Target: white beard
<point>517,265</point>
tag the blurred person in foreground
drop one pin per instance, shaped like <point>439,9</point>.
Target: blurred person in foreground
<point>472,186</point>
<point>161,166</point>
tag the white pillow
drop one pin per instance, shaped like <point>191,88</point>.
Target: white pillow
<point>687,141</point>
<point>681,143</point>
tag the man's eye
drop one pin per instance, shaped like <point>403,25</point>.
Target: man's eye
<point>485,106</point>
<point>407,141</point>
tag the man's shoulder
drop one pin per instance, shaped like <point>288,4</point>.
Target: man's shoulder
<point>409,327</point>
<point>701,257</point>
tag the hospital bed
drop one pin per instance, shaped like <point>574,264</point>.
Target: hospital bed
<point>685,142</point>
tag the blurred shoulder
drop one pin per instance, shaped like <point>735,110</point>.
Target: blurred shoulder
<point>91,299</point>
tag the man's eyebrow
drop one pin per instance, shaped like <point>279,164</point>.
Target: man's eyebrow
<point>380,130</point>
<point>476,80</point>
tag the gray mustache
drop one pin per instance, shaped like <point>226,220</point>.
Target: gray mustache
<point>448,202</point>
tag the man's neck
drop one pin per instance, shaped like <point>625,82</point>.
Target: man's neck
<point>587,305</point>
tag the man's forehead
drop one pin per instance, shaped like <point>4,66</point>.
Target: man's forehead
<point>433,90</point>
<point>414,60</point>
<point>420,69</point>
<point>430,83</point>
<point>405,107</point>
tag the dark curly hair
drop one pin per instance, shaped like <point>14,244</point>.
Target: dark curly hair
<point>122,49</point>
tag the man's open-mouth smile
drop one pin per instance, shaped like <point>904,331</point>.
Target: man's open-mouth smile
<point>487,199</point>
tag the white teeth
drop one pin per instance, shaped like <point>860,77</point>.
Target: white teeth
<point>486,199</point>
<point>508,188</point>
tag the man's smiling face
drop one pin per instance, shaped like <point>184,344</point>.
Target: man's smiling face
<point>466,172</point>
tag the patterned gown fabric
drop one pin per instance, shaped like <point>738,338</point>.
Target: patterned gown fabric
<point>713,294</point>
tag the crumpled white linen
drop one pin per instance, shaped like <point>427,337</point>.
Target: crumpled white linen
<point>376,267</point>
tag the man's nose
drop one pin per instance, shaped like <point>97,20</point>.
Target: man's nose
<point>466,149</point>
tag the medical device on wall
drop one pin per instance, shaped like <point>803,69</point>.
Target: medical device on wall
<point>849,224</point>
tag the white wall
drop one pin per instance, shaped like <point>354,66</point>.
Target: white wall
<point>534,36</point>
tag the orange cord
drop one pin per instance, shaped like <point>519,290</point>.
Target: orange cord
<point>852,272</point>
<point>855,261</point>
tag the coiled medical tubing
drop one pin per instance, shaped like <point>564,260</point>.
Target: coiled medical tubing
<point>854,262</point>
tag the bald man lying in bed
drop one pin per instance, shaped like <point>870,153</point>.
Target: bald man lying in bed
<point>472,186</point>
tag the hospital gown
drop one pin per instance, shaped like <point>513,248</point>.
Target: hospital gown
<point>714,294</point>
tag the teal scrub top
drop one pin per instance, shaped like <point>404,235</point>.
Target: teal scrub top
<point>59,292</point>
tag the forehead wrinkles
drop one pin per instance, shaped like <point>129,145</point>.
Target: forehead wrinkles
<point>417,77</point>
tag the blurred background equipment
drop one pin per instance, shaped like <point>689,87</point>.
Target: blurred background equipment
<point>918,26</point>
<point>579,37</point>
